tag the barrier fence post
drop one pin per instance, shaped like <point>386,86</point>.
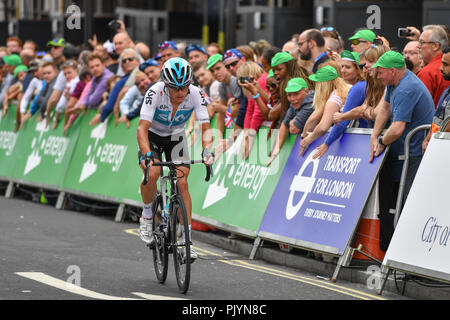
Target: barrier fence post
<point>401,190</point>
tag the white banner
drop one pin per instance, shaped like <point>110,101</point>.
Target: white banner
<point>420,243</point>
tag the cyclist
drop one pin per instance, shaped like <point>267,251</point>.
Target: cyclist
<point>167,107</point>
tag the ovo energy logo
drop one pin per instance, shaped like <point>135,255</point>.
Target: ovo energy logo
<point>110,154</point>
<point>8,141</point>
<point>249,177</point>
<point>301,184</point>
<point>51,146</point>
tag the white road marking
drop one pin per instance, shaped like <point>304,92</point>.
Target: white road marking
<point>63,285</point>
<point>155,297</point>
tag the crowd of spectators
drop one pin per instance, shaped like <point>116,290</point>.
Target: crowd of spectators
<point>310,87</point>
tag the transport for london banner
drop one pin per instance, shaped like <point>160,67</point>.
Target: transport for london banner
<point>318,202</point>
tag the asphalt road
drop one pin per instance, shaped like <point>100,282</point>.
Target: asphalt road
<point>47,254</point>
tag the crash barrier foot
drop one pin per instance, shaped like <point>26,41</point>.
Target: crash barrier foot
<point>60,203</point>
<point>120,215</point>
<point>256,245</point>
<point>344,261</point>
<point>384,276</point>
<point>10,190</point>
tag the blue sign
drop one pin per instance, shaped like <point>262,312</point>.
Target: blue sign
<point>317,202</point>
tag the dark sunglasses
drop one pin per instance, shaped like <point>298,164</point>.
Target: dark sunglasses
<point>128,60</point>
<point>233,64</point>
<point>178,88</point>
<point>356,41</point>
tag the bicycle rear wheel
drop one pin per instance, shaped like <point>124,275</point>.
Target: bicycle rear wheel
<point>181,251</point>
<point>160,252</point>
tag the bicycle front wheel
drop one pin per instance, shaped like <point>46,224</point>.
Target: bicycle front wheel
<point>181,250</point>
<point>160,252</point>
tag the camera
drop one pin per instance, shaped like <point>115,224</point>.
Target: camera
<point>114,25</point>
<point>404,32</point>
<point>243,79</point>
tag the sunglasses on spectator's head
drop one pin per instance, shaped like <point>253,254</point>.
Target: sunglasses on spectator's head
<point>68,64</point>
<point>166,45</point>
<point>357,41</point>
<point>128,60</point>
<point>233,64</point>
<point>327,29</point>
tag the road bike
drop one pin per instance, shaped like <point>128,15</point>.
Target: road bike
<point>170,215</point>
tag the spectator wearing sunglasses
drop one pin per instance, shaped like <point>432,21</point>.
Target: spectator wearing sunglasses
<point>229,90</point>
<point>233,60</point>
<point>129,62</point>
<point>362,40</point>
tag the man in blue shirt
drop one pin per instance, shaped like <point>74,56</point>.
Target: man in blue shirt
<point>409,104</point>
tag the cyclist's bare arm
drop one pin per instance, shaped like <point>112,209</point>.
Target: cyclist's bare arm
<point>207,139</point>
<point>142,138</point>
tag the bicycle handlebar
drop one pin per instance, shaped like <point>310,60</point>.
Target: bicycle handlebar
<point>173,164</point>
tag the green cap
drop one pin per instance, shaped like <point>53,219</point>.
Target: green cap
<point>213,60</point>
<point>271,74</point>
<point>59,42</point>
<point>364,34</point>
<point>20,69</point>
<point>281,57</point>
<point>296,84</point>
<point>13,60</point>
<point>390,59</point>
<point>326,73</point>
<point>350,56</point>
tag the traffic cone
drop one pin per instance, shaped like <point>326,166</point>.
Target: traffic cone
<point>201,227</point>
<point>368,233</point>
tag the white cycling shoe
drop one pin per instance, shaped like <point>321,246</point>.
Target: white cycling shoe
<point>146,231</point>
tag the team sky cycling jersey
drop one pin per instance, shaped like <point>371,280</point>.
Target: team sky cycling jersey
<point>158,109</point>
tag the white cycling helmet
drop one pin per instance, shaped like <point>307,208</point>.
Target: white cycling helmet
<point>177,73</point>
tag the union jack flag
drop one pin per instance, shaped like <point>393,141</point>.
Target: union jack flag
<point>228,118</point>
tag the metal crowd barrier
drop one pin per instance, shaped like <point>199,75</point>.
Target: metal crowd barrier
<point>401,190</point>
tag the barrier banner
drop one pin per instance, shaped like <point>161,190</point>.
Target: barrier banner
<point>318,202</point>
<point>237,196</point>
<point>44,154</point>
<point>420,244</point>
<point>8,143</point>
<point>103,160</point>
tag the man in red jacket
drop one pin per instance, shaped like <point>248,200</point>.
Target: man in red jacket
<point>431,42</point>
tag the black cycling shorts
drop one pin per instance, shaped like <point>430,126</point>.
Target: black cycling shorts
<point>175,147</point>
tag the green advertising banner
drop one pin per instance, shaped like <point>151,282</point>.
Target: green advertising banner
<point>104,161</point>
<point>8,143</point>
<point>44,153</point>
<point>237,197</point>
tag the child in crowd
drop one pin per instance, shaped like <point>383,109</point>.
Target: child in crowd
<point>70,70</point>
<point>330,95</point>
<point>81,89</point>
<point>13,92</point>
